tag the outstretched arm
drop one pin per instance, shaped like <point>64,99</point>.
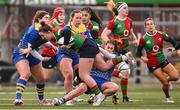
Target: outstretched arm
<point>106,32</point>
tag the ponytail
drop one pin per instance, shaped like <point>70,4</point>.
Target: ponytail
<point>112,7</point>
<point>45,28</point>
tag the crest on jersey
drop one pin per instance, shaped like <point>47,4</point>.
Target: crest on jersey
<point>126,32</point>
<point>155,48</point>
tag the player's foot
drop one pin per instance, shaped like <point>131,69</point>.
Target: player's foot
<point>44,102</point>
<point>126,99</point>
<point>18,102</point>
<point>169,100</point>
<point>57,102</point>
<point>91,99</point>
<point>115,99</point>
<point>98,99</point>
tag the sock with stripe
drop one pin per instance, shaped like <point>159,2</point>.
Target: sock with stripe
<point>95,90</point>
<point>40,91</point>
<point>20,86</point>
<point>62,100</point>
<point>117,60</point>
<point>116,73</point>
<point>124,83</point>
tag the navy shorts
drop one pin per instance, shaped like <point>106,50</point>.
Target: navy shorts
<point>73,56</point>
<point>17,57</point>
<point>51,63</point>
<point>89,49</point>
<point>161,65</point>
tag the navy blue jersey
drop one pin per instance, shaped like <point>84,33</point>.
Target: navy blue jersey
<point>30,36</point>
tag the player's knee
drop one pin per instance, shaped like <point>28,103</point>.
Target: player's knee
<point>115,88</point>
<point>82,90</point>
<point>40,80</point>
<point>24,76</point>
<point>83,76</point>
<point>175,77</point>
<point>69,77</point>
<point>68,74</point>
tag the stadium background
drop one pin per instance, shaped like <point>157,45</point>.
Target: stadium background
<point>16,16</point>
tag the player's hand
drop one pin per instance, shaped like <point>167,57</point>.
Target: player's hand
<point>46,58</point>
<point>144,59</point>
<point>178,52</point>
<point>24,51</point>
<point>55,49</point>
<point>135,42</point>
<point>119,40</point>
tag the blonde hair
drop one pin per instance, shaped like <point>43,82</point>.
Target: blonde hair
<point>113,7</point>
<point>148,19</point>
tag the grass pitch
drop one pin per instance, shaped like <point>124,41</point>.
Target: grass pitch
<point>145,97</point>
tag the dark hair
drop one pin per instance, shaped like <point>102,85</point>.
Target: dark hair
<point>39,15</point>
<point>73,13</point>
<point>111,42</point>
<point>94,17</point>
<point>45,28</point>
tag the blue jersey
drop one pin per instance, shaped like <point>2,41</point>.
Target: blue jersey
<point>30,37</point>
<point>101,74</point>
<point>101,77</point>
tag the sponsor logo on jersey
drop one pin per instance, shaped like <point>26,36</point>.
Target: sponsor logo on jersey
<point>148,42</point>
<point>155,48</point>
<point>126,32</point>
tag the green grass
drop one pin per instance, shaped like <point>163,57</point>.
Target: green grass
<point>145,97</point>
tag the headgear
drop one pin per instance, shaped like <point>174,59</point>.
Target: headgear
<point>57,11</point>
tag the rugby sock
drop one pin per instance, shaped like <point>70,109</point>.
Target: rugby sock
<point>20,86</point>
<point>117,60</point>
<point>95,90</point>
<point>62,100</point>
<point>124,83</point>
<point>40,91</point>
<point>116,73</point>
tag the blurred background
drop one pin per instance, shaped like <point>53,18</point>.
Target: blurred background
<point>16,16</point>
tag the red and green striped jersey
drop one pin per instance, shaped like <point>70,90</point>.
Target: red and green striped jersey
<point>153,45</point>
<point>93,25</point>
<point>121,30</point>
<point>56,27</point>
<point>94,28</point>
<point>78,41</point>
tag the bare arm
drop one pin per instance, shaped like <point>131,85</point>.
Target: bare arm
<point>133,38</point>
<point>106,32</point>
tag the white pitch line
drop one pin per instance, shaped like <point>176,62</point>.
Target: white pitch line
<point>2,93</point>
<point>87,109</point>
